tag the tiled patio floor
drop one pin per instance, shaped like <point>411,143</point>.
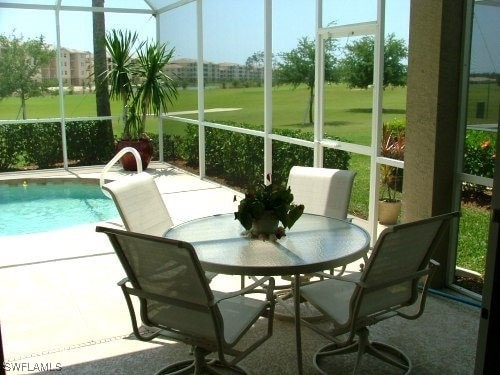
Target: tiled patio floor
<point>61,306</point>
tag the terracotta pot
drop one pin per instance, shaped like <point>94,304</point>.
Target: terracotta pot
<point>388,212</point>
<point>267,224</point>
<point>143,146</point>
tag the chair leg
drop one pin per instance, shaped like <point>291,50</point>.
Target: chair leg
<point>178,368</point>
<point>201,365</point>
<point>383,352</point>
<point>396,358</point>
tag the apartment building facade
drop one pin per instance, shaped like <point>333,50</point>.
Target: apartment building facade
<point>185,71</point>
<point>77,70</point>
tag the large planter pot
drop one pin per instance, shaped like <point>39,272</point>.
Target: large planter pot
<point>388,212</point>
<point>143,146</point>
<point>267,224</point>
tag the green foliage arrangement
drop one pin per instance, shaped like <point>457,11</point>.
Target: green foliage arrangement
<point>273,198</point>
<point>392,146</point>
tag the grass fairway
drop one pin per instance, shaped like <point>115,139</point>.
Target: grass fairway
<point>347,112</point>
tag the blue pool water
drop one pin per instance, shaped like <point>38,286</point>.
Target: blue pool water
<point>34,207</point>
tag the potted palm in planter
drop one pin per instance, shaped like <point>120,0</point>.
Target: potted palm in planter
<point>392,146</point>
<point>137,78</point>
<point>263,208</point>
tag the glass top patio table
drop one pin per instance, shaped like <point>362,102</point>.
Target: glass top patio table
<point>314,243</point>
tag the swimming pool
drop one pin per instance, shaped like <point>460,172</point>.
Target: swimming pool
<point>40,207</point>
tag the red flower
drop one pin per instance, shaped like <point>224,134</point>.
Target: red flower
<point>485,144</point>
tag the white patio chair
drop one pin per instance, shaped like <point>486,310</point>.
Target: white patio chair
<point>322,191</point>
<point>389,282</point>
<point>141,206</point>
<point>167,278</point>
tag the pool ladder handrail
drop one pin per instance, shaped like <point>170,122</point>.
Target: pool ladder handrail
<point>113,161</point>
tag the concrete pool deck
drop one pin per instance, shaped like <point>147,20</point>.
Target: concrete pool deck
<point>61,306</point>
<point>55,282</point>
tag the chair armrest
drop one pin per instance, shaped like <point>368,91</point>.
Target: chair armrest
<point>252,289</point>
<point>135,327</point>
<point>123,281</point>
<point>342,277</point>
<point>433,266</point>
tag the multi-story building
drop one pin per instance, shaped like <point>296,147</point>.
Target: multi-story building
<point>76,70</point>
<point>184,70</point>
<point>80,67</point>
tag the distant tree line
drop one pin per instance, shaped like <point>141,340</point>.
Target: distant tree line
<point>354,67</point>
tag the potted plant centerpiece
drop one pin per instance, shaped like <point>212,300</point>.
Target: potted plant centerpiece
<point>262,209</point>
<point>137,78</point>
<point>392,146</point>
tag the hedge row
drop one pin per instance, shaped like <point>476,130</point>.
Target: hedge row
<point>239,158</point>
<point>236,157</point>
<point>40,145</point>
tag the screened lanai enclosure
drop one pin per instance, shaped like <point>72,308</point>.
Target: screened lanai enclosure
<point>266,84</point>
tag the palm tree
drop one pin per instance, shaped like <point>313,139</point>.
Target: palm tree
<point>139,81</point>
<point>101,86</point>
<point>120,45</point>
<point>156,89</point>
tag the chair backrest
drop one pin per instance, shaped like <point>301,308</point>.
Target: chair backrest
<point>166,274</point>
<point>322,191</point>
<point>399,259</point>
<point>140,204</point>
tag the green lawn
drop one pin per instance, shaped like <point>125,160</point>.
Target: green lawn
<point>347,115</point>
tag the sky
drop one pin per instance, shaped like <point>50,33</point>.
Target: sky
<point>485,56</point>
<point>234,29</point>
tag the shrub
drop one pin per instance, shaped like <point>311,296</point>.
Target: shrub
<point>40,144</point>
<point>90,142</point>
<point>44,144</point>
<point>239,158</point>
<point>392,145</point>
<point>396,125</point>
<point>479,157</point>
<point>12,145</point>
<point>171,146</point>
